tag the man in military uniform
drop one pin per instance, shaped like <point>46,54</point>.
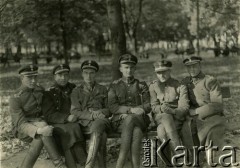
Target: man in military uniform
<point>56,109</point>
<point>169,101</point>
<point>129,102</point>
<point>28,125</point>
<point>205,103</point>
<point>89,105</point>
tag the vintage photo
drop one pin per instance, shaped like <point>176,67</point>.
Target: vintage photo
<point>119,83</point>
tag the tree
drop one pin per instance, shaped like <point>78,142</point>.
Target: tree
<point>163,20</point>
<point>117,34</point>
<point>132,11</point>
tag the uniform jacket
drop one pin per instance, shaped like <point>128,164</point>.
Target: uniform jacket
<point>25,106</point>
<point>206,98</point>
<point>124,94</point>
<point>85,99</point>
<point>172,93</point>
<point>57,103</point>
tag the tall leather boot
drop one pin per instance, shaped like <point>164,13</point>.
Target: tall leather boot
<point>126,139</point>
<point>51,148</point>
<point>69,159</point>
<point>33,153</point>
<point>102,154</point>
<point>136,147</point>
<point>79,151</point>
<point>175,140</point>
<point>93,149</point>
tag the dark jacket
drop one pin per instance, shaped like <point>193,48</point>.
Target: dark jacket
<point>57,103</point>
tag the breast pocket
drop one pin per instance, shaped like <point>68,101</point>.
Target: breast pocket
<point>171,95</point>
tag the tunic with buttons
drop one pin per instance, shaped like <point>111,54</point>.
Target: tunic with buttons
<point>57,103</point>
<point>124,94</point>
<point>172,93</point>
<point>25,108</point>
<point>85,99</point>
<point>56,109</point>
<point>206,99</point>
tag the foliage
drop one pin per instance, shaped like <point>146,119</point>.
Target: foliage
<point>218,16</point>
<point>163,20</point>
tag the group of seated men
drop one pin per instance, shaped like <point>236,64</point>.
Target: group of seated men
<point>57,118</point>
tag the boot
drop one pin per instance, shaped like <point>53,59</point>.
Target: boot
<point>126,140</point>
<point>33,153</point>
<point>79,152</point>
<point>175,140</point>
<point>136,147</point>
<point>69,159</point>
<point>102,154</point>
<point>51,148</point>
<point>93,149</point>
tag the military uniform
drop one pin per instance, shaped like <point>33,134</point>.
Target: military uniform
<point>205,102</point>
<point>25,107</point>
<point>170,104</point>
<point>86,99</point>
<point>27,118</point>
<point>173,94</point>
<point>89,104</point>
<point>125,95</point>
<point>56,109</point>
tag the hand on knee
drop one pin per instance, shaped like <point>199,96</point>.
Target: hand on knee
<point>45,131</point>
<point>41,124</point>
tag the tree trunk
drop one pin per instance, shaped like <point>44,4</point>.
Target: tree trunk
<point>19,49</point>
<point>117,35</point>
<point>135,42</point>
<point>64,34</point>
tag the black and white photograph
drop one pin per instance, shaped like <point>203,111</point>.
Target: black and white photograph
<point>119,83</point>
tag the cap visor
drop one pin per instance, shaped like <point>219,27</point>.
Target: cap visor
<point>34,73</point>
<point>192,62</point>
<point>89,67</point>
<point>128,62</point>
<point>62,70</point>
<point>161,69</point>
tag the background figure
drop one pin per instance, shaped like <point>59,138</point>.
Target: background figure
<point>129,102</point>
<point>56,109</point>
<point>28,123</point>
<point>89,105</point>
<point>169,101</point>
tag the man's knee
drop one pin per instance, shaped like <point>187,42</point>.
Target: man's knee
<point>166,116</point>
<point>129,120</point>
<point>98,126</point>
<point>161,133</point>
<point>137,133</point>
<point>75,127</point>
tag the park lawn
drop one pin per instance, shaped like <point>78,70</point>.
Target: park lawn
<point>225,69</point>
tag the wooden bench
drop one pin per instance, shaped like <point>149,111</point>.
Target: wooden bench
<point>186,127</point>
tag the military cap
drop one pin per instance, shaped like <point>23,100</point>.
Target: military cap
<point>128,58</point>
<point>162,65</point>
<point>192,60</point>
<point>61,68</point>
<point>90,64</point>
<point>28,70</point>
